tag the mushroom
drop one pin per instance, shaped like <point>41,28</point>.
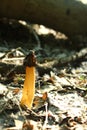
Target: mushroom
<point>29,83</point>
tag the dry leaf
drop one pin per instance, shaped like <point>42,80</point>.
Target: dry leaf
<point>29,125</point>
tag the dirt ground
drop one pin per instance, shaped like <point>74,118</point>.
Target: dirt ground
<point>60,101</point>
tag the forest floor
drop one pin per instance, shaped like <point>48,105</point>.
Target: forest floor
<point>60,101</point>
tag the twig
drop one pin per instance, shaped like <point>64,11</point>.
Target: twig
<point>12,59</point>
<point>6,55</point>
<point>21,112</point>
<point>46,119</point>
<point>31,111</point>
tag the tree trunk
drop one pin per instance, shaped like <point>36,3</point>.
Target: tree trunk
<point>66,16</point>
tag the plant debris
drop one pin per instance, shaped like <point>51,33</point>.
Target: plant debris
<point>60,99</point>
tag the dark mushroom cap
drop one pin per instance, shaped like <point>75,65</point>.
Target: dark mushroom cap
<point>30,59</point>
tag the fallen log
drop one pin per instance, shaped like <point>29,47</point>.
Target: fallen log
<point>66,16</point>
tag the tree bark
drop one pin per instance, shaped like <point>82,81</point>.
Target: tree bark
<point>66,16</point>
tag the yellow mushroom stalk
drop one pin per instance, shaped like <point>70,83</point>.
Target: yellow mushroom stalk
<point>29,83</point>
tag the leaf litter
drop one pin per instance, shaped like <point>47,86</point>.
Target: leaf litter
<point>60,101</point>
